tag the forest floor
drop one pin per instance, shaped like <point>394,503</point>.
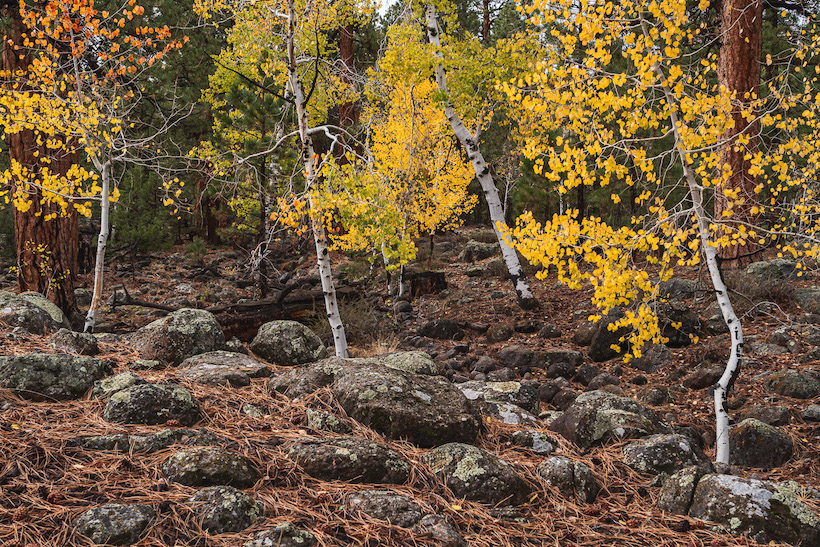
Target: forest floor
<point>46,481</point>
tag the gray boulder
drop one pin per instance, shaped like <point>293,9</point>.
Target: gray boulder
<point>150,442</point>
<point>770,414</point>
<point>757,444</point>
<point>44,376</point>
<point>113,384</point>
<point>152,404</point>
<point>535,441</point>
<point>318,419</point>
<point>596,416</point>
<point>426,410</point>
<point>811,414</point>
<point>48,306</point>
<point>417,362</point>
<point>352,459</point>
<point>184,333</point>
<point>115,523</point>
<point>475,250</point>
<point>762,509</point>
<point>570,478</point>
<point>210,466</point>
<point>524,395</point>
<point>477,475</point>
<point>283,535</point>
<point>19,312</point>
<point>808,298</point>
<point>600,345</point>
<point>678,490</point>
<point>552,356</point>
<point>223,509</point>
<point>442,329</point>
<point>81,343</point>
<point>387,505</point>
<point>777,269</point>
<point>222,368</point>
<point>440,529</point>
<point>652,359</point>
<point>287,343</point>
<point>792,383</point>
<point>677,288</point>
<point>663,454</point>
<point>678,323</point>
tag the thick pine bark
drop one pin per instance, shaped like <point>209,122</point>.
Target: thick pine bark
<point>739,72</point>
<point>46,250</point>
<point>522,289</point>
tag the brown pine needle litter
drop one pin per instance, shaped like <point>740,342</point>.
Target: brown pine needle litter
<point>47,481</point>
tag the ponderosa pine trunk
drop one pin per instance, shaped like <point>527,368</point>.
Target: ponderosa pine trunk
<point>482,172</point>
<point>739,72</point>
<point>46,250</point>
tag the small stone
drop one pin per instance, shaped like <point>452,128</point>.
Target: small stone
<point>663,454</point>
<point>812,413</point>
<point>115,524</point>
<point>318,419</point>
<point>112,384</point>
<point>69,341</point>
<point>397,509</point>
<point>535,441</point>
<point>223,509</point>
<point>769,414</point>
<point>283,535</point>
<point>499,333</point>
<point>441,529</point>
<point>152,404</point>
<point>350,459</point>
<point>287,343</point>
<point>757,444</point>
<point>549,331</point>
<point>570,478</point>
<point>792,383</point>
<point>210,466</point>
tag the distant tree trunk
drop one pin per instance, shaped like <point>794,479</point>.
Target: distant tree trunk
<point>46,250</point>
<point>739,72</point>
<point>581,194</point>
<point>485,21</point>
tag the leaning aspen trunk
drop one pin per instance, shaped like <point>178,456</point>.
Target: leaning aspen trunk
<point>522,289</point>
<point>319,233</point>
<point>99,264</point>
<point>729,376</point>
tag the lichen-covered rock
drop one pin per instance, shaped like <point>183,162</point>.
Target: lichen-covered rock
<point>811,414</point>
<point>222,368</point>
<point>318,419</point>
<point>524,395</point>
<point>152,442</point>
<point>441,329</point>
<point>652,359</point>
<point>770,414</point>
<point>762,509</point>
<point>476,250</point>
<point>678,490</point>
<point>210,466</point>
<point>757,444</point>
<point>81,343</point>
<point>184,333</point>
<point>115,523</point>
<point>19,312</point>
<point>152,404</point>
<point>663,454</point>
<point>382,504</point>
<point>426,410</point>
<point>287,343</point>
<point>477,475</point>
<point>45,376</point>
<point>677,288</point>
<point>417,362</point>
<point>113,384</point>
<point>223,509</point>
<point>441,529</point>
<point>808,298</point>
<point>552,356</point>
<point>792,383</point>
<point>535,441</point>
<point>352,459</point>
<point>596,416</point>
<point>283,535</point>
<point>48,306</point>
<point>570,478</point>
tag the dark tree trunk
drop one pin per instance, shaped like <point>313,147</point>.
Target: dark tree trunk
<point>485,21</point>
<point>739,72</point>
<point>46,250</point>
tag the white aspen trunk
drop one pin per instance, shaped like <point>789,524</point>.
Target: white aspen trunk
<point>319,233</point>
<point>522,289</point>
<point>731,319</point>
<point>387,272</point>
<point>401,281</point>
<point>102,239</point>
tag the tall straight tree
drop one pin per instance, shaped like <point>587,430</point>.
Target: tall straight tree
<point>470,142</point>
<point>739,71</point>
<point>46,235</point>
